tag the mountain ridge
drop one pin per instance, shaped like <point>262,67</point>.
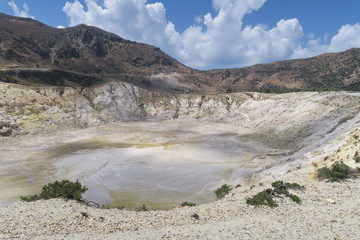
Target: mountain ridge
<point>31,51</point>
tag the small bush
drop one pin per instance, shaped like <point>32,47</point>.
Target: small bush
<point>336,172</point>
<point>64,189</point>
<point>222,191</point>
<point>142,208</point>
<point>295,198</point>
<point>278,184</point>
<point>188,204</point>
<point>279,188</point>
<point>262,198</point>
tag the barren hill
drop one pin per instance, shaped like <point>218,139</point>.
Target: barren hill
<point>32,53</point>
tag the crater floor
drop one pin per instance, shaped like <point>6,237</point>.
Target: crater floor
<point>159,164</point>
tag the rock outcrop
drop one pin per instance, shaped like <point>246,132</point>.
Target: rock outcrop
<point>34,109</point>
<point>8,126</point>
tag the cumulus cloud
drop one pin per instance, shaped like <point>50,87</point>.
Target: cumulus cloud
<point>25,12</point>
<point>130,19</point>
<point>215,41</point>
<point>347,37</point>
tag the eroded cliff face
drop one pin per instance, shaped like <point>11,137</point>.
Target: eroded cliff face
<point>33,109</point>
<point>126,102</point>
<point>284,120</point>
<point>30,110</point>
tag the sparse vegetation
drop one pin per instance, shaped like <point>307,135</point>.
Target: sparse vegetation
<point>262,198</point>
<point>222,191</point>
<point>279,184</point>
<point>142,208</point>
<point>188,204</point>
<point>279,188</point>
<point>64,189</point>
<point>336,172</point>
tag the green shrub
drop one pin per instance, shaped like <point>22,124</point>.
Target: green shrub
<point>142,208</point>
<point>294,197</point>
<point>278,184</point>
<point>64,189</point>
<point>279,188</point>
<point>188,204</point>
<point>262,198</point>
<point>222,191</point>
<point>336,172</point>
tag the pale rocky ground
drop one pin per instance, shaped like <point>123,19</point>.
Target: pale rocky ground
<point>306,127</point>
<point>328,211</point>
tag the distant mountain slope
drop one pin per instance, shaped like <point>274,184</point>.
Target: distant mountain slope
<point>30,46</point>
<point>333,71</point>
<point>32,53</point>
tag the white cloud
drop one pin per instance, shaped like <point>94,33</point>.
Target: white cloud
<point>60,27</point>
<point>25,12</point>
<point>198,19</point>
<point>347,37</point>
<point>212,41</point>
<point>130,19</point>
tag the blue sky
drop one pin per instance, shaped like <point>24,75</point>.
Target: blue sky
<point>209,34</point>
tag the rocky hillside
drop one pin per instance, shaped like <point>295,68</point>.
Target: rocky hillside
<point>334,71</point>
<point>26,109</point>
<point>34,54</point>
